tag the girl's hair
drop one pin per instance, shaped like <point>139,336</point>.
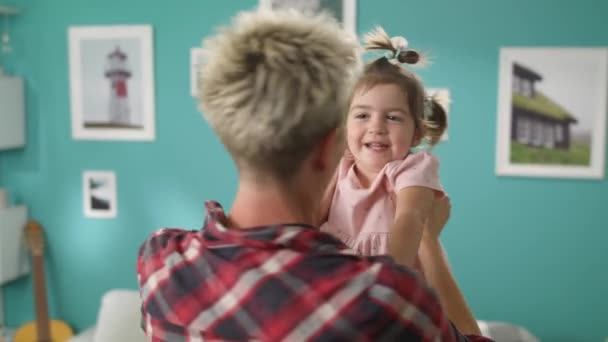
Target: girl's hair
<point>429,114</point>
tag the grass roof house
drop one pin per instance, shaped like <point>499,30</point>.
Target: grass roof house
<point>537,120</point>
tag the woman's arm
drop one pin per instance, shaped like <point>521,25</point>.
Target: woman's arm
<point>437,270</point>
<point>412,209</point>
<point>328,196</point>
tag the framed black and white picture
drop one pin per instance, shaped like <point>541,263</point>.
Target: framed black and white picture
<point>552,112</point>
<point>99,194</point>
<point>343,10</point>
<point>112,82</point>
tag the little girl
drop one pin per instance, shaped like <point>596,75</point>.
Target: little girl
<point>382,193</point>
<point>384,198</point>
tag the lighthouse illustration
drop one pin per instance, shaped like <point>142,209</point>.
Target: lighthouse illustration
<point>118,72</point>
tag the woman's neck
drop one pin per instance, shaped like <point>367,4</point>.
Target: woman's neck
<point>256,205</point>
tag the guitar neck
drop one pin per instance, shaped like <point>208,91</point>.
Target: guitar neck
<point>42,316</point>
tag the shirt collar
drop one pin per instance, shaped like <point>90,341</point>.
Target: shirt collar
<point>301,237</point>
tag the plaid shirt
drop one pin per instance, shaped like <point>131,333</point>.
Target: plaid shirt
<point>279,283</point>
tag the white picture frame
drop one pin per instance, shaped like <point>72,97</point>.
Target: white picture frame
<point>99,194</point>
<point>443,93</point>
<point>551,115</point>
<point>347,9</point>
<point>195,64</point>
<point>112,82</point>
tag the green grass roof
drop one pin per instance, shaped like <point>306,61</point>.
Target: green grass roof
<point>542,105</point>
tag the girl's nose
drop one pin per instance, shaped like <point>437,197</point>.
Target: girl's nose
<point>377,126</point>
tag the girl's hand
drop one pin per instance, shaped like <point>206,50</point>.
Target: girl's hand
<point>440,213</point>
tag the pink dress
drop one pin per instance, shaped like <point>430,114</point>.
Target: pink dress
<point>362,217</point>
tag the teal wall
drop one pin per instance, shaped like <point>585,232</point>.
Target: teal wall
<point>528,251</point>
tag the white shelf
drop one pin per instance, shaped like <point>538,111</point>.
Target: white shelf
<point>12,113</point>
<point>8,10</point>
<point>13,254</point>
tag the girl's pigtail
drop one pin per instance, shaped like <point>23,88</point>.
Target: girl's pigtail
<point>398,53</point>
<point>378,39</point>
<point>435,120</point>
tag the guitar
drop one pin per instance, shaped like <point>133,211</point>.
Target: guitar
<point>42,329</point>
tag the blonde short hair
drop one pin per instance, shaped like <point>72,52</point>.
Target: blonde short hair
<point>274,83</point>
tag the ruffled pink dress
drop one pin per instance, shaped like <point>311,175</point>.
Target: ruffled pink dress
<point>362,217</point>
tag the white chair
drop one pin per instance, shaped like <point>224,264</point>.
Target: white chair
<point>119,319</point>
<point>505,332</point>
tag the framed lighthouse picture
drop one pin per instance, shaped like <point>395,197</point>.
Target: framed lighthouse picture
<point>112,82</point>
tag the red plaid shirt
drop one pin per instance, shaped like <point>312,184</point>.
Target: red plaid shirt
<point>279,283</point>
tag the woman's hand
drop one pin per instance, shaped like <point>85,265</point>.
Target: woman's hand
<point>348,155</point>
<point>437,270</point>
<point>440,213</point>
<point>412,209</point>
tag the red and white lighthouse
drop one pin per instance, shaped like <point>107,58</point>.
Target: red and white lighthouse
<point>118,72</point>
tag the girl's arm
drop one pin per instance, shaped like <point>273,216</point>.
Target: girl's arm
<point>412,209</point>
<point>437,270</point>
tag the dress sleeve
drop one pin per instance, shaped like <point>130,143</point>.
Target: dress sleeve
<point>417,169</point>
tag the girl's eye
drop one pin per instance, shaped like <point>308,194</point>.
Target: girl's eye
<point>393,117</point>
<point>361,116</point>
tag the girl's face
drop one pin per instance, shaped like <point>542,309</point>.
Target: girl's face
<point>380,127</point>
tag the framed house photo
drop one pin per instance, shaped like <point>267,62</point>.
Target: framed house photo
<point>99,194</point>
<point>112,82</point>
<point>343,10</point>
<point>552,112</point>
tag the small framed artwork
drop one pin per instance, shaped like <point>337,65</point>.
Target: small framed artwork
<point>443,94</point>
<point>552,112</point>
<point>112,82</point>
<point>195,63</point>
<point>99,194</point>
<point>344,10</point>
